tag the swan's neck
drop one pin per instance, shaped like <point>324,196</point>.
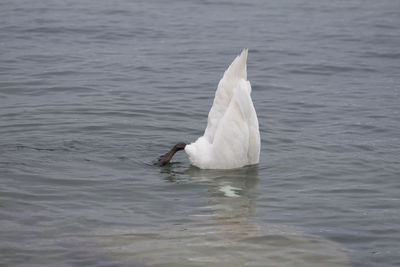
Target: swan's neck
<point>164,159</point>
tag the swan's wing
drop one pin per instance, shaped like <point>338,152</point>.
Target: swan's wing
<point>243,99</point>
<point>241,95</point>
<point>237,139</point>
<point>254,138</point>
<point>231,137</point>
<point>236,71</point>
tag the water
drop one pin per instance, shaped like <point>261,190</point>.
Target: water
<point>91,92</point>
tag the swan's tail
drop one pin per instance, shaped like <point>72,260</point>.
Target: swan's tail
<point>238,69</point>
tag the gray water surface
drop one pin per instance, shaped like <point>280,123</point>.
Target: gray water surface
<point>92,91</point>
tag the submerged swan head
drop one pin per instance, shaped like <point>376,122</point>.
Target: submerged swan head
<point>231,138</point>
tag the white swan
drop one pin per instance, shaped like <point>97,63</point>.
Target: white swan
<point>232,138</point>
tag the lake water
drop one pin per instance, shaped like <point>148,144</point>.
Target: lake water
<point>92,91</point>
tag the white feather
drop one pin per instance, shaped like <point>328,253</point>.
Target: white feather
<point>232,138</point>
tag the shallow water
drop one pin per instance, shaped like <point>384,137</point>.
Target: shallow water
<point>91,93</point>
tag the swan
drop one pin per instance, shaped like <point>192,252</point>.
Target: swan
<point>232,137</point>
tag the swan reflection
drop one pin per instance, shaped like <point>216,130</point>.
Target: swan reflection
<point>230,226</point>
<point>219,229</point>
